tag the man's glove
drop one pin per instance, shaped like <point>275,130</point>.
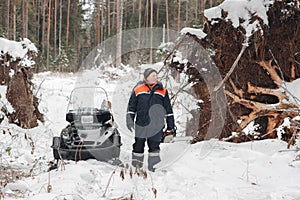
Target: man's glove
<point>168,135</point>
<point>171,131</point>
<point>130,122</point>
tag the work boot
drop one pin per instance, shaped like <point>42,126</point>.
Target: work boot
<point>137,159</point>
<point>153,159</point>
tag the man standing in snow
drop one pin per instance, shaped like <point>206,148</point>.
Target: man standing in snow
<point>148,106</point>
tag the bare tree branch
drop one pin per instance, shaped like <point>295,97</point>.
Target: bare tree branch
<point>245,45</point>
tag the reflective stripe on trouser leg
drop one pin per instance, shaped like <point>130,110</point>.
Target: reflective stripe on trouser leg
<point>137,159</point>
<point>153,159</point>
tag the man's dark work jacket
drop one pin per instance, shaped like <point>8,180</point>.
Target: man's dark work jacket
<point>150,107</point>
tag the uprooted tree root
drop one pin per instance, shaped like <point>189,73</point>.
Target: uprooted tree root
<point>256,89</point>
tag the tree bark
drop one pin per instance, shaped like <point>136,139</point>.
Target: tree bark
<point>60,33</point>
<point>38,28</point>
<point>114,15</point>
<point>7,25</point>
<point>102,20</point>
<point>139,23</point>
<point>68,26</point>
<point>167,20</point>
<point>147,16</point>
<point>48,33</point>
<point>178,15</point>
<point>133,7</point>
<point>43,24</point>
<point>14,22</point>
<point>203,5</point>
<point>25,19</point>
<point>119,33</point>
<point>157,11</point>
<point>186,12</point>
<point>76,34</point>
<point>98,23</point>
<point>151,29</point>
<point>196,10</point>
<point>54,28</point>
<point>108,17</point>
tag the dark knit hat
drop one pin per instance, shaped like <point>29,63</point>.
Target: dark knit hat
<point>148,71</point>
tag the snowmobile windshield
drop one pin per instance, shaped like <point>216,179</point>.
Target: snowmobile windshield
<point>88,98</point>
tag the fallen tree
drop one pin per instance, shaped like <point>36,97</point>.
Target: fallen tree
<point>255,82</point>
<point>16,62</point>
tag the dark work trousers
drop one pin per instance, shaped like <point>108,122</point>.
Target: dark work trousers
<point>153,143</point>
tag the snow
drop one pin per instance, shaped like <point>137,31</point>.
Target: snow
<point>194,31</point>
<point>3,100</point>
<point>18,50</point>
<point>251,129</point>
<point>241,9</point>
<point>207,170</point>
<point>294,93</point>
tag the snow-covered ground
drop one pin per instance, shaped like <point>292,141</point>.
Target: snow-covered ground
<point>260,170</point>
<point>206,170</point>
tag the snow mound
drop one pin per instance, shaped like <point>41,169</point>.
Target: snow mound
<point>194,31</point>
<point>241,9</point>
<point>18,50</point>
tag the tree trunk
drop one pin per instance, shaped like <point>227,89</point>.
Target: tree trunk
<point>140,19</point>
<point>119,33</point>
<point>43,24</point>
<point>102,20</point>
<point>167,20</point>
<point>196,11</point>
<point>68,26</point>
<point>147,15</point>
<point>98,23</point>
<point>76,34</point>
<point>114,15</point>
<point>7,25</point>
<point>54,27</point>
<point>48,33</point>
<point>14,22</point>
<point>151,27</point>
<point>108,17</point>
<point>178,15</point>
<point>38,28</point>
<point>203,5</point>
<point>133,7</point>
<point>157,12</point>
<point>25,19</point>
<point>186,12</point>
<point>59,34</point>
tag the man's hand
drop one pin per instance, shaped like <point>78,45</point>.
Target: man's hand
<point>129,123</point>
<point>168,135</point>
<point>130,126</point>
<point>170,132</point>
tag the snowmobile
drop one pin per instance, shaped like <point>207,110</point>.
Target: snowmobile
<point>91,132</point>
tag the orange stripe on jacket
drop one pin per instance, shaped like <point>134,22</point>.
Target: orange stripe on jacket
<point>140,89</point>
